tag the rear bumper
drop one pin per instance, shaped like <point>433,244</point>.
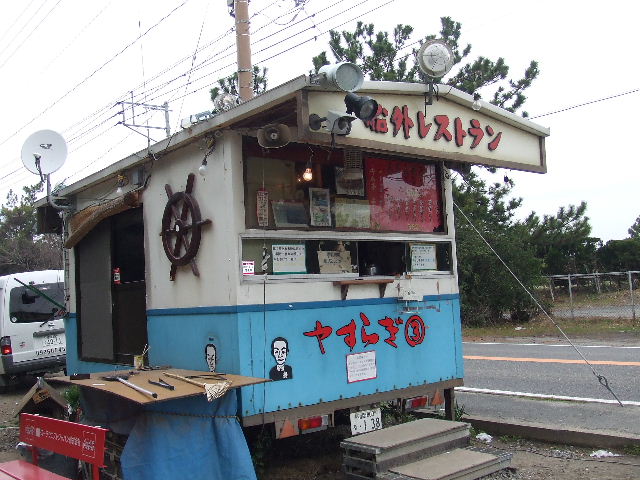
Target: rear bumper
<point>40,365</point>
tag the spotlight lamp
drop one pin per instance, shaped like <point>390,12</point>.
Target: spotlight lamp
<point>335,122</point>
<point>476,105</point>
<point>365,108</point>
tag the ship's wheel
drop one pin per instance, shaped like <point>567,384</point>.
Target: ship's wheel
<point>182,228</point>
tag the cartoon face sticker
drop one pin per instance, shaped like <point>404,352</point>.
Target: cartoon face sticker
<point>280,350</point>
<point>210,356</point>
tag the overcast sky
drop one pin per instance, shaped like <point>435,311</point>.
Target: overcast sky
<point>64,65</point>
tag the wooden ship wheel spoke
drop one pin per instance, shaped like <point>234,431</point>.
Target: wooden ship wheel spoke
<point>182,228</point>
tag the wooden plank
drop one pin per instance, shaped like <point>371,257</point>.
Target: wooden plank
<point>141,378</point>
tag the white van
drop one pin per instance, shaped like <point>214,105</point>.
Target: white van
<point>32,339</point>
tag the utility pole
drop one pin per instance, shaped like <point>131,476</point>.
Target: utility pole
<point>243,47</point>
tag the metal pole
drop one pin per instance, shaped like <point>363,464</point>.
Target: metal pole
<point>165,106</point>
<point>243,46</point>
<point>553,298</point>
<point>570,297</point>
<point>633,305</point>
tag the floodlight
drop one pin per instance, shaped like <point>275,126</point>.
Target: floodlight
<point>344,76</point>
<point>365,108</point>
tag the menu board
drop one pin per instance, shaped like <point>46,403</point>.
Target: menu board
<point>334,262</point>
<point>423,257</point>
<point>289,259</point>
<point>403,196</point>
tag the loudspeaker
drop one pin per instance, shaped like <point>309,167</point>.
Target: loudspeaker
<point>274,135</point>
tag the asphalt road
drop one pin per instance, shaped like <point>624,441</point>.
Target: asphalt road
<point>554,370</point>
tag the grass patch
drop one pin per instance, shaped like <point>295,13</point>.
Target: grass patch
<point>632,450</point>
<point>543,327</point>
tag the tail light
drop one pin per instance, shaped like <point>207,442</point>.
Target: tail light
<point>415,402</point>
<point>5,346</point>
<point>313,424</point>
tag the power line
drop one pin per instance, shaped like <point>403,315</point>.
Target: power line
<point>82,30</point>
<point>91,75</point>
<point>23,26</point>
<point>587,103</point>
<point>16,21</point>
<point>93,127</point>
<point>30,33</point>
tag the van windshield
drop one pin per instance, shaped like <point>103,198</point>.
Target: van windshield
<point>27,306</point>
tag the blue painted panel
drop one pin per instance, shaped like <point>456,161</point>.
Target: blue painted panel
<point>180,340</point>
<point>243,339</point>
<point>317,377</point>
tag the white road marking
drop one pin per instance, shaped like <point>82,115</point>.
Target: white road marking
<point>543,396</point>
<point>545,345</point>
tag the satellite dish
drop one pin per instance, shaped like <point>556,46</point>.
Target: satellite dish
<point>435,58</point>
<point>44,152</point>
<point>274,135</point>
<point>225,101</point>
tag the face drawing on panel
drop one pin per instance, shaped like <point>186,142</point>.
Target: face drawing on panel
<point>280,350</point>
<point>210,356</point>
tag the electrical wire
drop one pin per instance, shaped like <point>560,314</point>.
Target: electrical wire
<point>194,91</point>
<point>75,38</point>
<point>276,44</point>
<point>610,97</point>
<point>91,75</point>
<point>23,27</point>
<point>30,33</point>
<point>17,19</point>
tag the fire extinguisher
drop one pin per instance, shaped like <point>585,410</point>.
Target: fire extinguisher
<point>116,276</point>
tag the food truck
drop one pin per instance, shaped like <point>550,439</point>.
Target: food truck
<point>289,240</point>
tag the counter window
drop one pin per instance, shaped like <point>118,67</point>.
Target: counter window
<point>345,193</point>
<point>345,257</point>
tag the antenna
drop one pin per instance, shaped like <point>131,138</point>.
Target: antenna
<point>43,153</point>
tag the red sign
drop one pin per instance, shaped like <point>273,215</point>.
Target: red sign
<point>71,439</point>
<point>444,128</point>
<point>403,196</point>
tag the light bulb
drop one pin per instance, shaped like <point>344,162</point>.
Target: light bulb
<point>476,105</point>
<point>119,190</point>
<point>202,170</point>
<point>307,176</point>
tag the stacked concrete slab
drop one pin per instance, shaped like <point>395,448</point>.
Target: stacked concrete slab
<point>427,449</point>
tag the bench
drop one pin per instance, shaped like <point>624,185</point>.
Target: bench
<point>82,442</point>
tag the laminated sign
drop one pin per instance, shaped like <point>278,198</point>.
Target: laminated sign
<point>289,259</point>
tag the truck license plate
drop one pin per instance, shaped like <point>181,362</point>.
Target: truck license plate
<point>365,421</point>
<point>49,345</point>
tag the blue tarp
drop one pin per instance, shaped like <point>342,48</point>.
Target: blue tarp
<point>188,438</point>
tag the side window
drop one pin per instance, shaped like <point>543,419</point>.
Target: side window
<point>367,194</point>
<point>26,305</point>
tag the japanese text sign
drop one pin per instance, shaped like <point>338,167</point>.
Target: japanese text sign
<point>446,129</point>
<point>71,439</point>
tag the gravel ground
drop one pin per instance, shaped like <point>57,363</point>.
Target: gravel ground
<point>318,456</point>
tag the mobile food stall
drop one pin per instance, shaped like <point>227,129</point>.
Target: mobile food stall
<point>286,240</point>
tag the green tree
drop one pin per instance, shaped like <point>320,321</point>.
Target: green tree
<point>230,84</point>
<point>489,292</point>
<point>379,55</point>
<point>563,241</point>
<point>620,255</point>
<point>21,248</point>
<point>634,230</point>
